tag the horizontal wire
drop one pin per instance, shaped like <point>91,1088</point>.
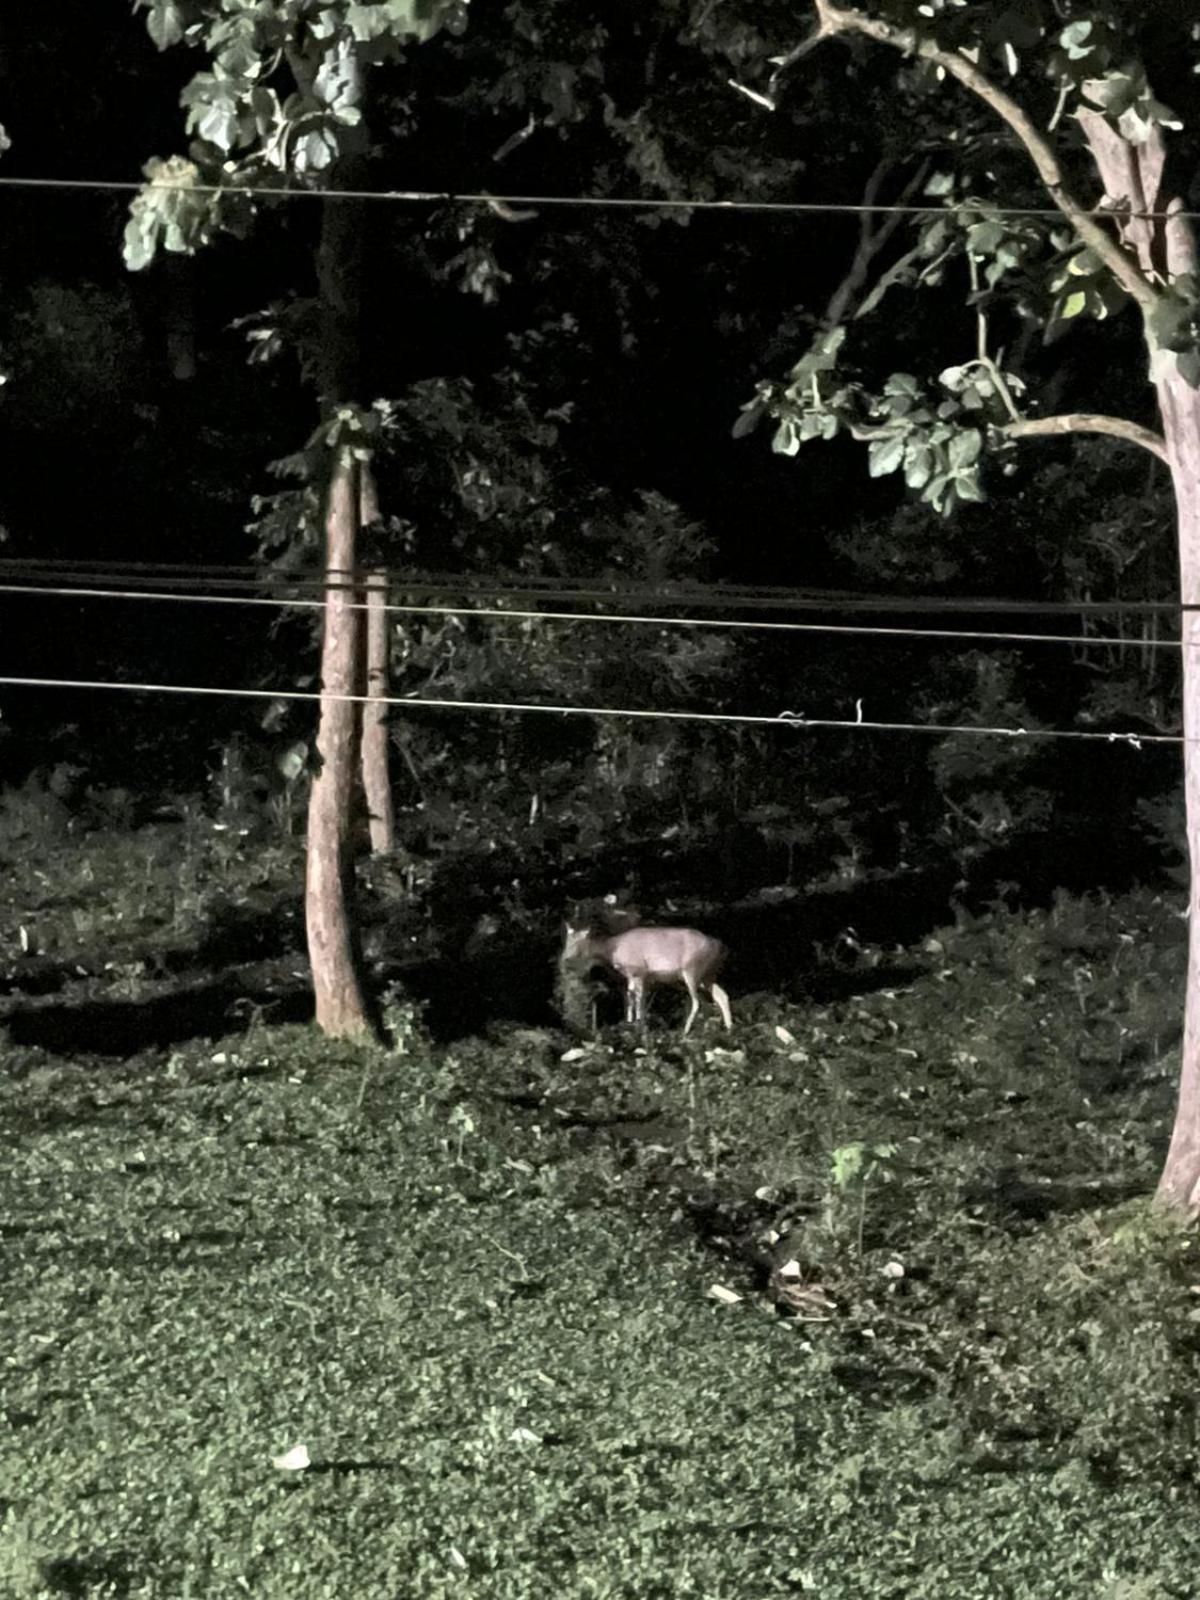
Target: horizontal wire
<point>512,615</point>
<point>596,202</point>
<point>789,719</point>
<point>748,597</point>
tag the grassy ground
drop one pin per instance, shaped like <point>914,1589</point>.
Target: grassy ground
<point>951,1352</point>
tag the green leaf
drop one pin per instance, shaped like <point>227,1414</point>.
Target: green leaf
<point>984,238</point>
<point>1083,263</point>
<point>965,448</point>
<point>315,150</point>
<point>846,1163</point>
<point>212,105</point>
<point>935,489</point>
<point>1114,93</point>
<point>885,455</point>
<point>1162,115</point>
<point>138,243</point>
<point>418,19</point>
<point>165,22</point>
<point>1073,305</point>
<point>918,465</point>
<point>786,441</point>
<point>935,237</point>
<point>367,22</point>
<point>902,383</point>
<point>940,184</point>
<point>748,419</point>
<point>240,58</point>
<point>264,110</point>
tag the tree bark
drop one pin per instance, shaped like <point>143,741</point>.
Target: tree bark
<point>1179,1186</point>
<point>1089,422</point>
<point>1165,248</point>
<point>329,885</point>
<point>333,946</point>
<point>376,776</point>
<point>179,310</point>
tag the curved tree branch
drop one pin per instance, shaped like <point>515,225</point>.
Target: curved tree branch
<point>1089,422</point>
<point>833,19</point>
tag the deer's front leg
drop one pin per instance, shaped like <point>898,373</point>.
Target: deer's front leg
<point>635,1001</point>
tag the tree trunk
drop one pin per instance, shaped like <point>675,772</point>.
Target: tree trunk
<point>1179,1186</point>
<point>333,949</point>
<point>376,777</point>
<point>179,312</point>
<point>329,885</point>
<point>1165,247</point>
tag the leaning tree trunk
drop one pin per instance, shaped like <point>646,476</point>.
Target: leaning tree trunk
<point>1179,1185</point>
<point>337,989</point>
<point>377,784</point>
<point>1156,231</point>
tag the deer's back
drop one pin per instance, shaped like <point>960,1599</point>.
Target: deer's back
<point>664,952</point>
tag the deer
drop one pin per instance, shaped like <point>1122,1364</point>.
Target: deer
<point>644,956</point>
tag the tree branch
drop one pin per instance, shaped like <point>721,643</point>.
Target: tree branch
<point>783,63</point>
<point>984,355</point>
<point>833,19</point>
<point>1089,422</point>
<point>871,240</point>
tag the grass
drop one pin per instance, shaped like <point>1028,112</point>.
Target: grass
<point>475,1282</point>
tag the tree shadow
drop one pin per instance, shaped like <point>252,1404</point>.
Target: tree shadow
<point>123,1028</point>
<point>234,934</point>
<point>1013,1200</point>
<point>79,1576</point>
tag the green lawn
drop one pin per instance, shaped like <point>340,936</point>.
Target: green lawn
<point>475,1283</point>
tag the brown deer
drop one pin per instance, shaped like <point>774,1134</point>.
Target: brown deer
<point>643,957</point>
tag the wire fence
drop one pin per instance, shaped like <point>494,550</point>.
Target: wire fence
<point>181,582</point>
<point>483,197</point>
<point>517,614</point>
<point>796,720</point>
<point>242,577</point>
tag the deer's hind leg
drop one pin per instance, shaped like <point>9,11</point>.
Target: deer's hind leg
<point>721,1001</point>
<point>694,996</point>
